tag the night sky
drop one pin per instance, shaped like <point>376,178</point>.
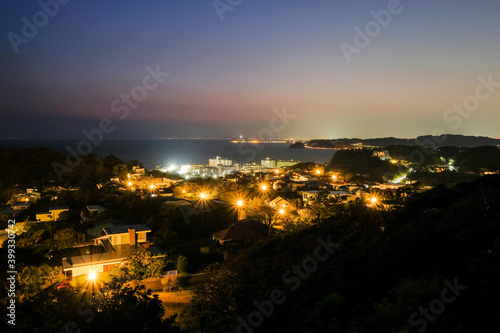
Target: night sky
<point>226,76</point>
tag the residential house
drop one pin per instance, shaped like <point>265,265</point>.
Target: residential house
<point>30,196</point>
<point>43,217</point>
<point>165,192</point>
<point>308,197</point>
<point>52,214</point>
<point>97,229</point>
<point>18,206</point>
<point>119,244</point>
<point>279,202</point>
<point>129,233</point>
<point>57,210</point>
<point>138,172</point>
<point>90,211</point>
<point>243,232</point>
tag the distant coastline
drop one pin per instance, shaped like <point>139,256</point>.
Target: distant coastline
<point>163,152</point>
<point>428,141</point>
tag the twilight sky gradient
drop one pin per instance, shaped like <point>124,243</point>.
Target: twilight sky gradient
<point>227,76</point>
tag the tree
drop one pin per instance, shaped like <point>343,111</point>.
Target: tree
<point>34,279</point>
<point>125,308</point>
<point>120,171</point>
<point>144,265</point>
<point>324,205</point>
<point>259,210</point>
<point>65,238</point>
<point>182,264</point>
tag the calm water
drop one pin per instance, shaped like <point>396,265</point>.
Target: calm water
<point>154,153</point>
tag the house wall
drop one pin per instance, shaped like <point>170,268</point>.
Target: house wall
<point>119,239</point>
<point>99,268</point>
<point>77,271</point>
<point>57,212</point>
<point>44,217</point>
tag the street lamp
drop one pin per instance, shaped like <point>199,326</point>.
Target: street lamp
<point>92,276</point>
<point>203,195</point>
<point>239,205</point>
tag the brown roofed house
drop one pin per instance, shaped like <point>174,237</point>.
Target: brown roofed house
<point>243,232</point>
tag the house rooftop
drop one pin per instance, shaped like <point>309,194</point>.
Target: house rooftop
<point>59,208</point>
<point>21,204</point>
<point>96,230</point>
<point>124,229</point>
<point>331,192</point>
<point>96,208</point>
<point>243,229</point>
<point>122,253</point>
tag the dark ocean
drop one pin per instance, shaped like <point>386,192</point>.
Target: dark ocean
<point>153,153</point>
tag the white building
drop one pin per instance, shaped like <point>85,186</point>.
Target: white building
<point>309,196</point>
<point>119,244</point>
<point>268,163</point>
<point>287,163</point>
<point>218,160</point>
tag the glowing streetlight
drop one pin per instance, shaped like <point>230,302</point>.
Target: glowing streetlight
<point>129,183</point>
<point>203,195</point>
<point>282,211</point>
<point>152,186</point>
<point>239,205</point>
<point>318,172</point>
<point>92,277</point>
<point>334,177</point>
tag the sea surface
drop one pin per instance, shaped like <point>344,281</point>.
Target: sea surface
<point>164,152</point>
